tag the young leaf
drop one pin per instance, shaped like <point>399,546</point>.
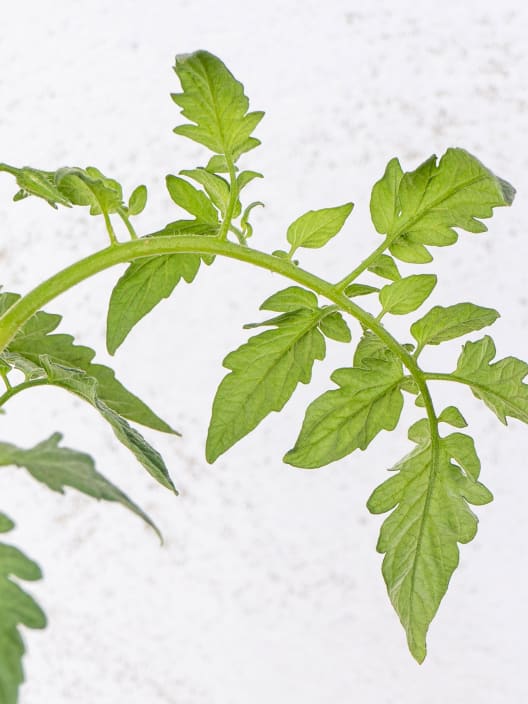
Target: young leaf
<point>384,201</point>
<point>407,294</point>
<point>359,290</point>
<point>148,281</point>
<point>214,100</point>
<point>499,385</point>
<point>264,374</point>
<point>34,340</point>
<point>442,324</point>
<point>290,299</point>
<point>385,267</point>
<point>435,198</point>
<point>245,177</point>
<point>90,187</point>
<point>430,496</point>
<point>349,418</point>
<point>216,187</point>
<point>192,200</point>
<point>17,608</point>
<point>58,467</point>
<point>79,383</point>
<point>36,182</point>
<point>370,347</point>
<point>335,327</point>
<point>452,415</point>
<point>137,200</point>
<point>316,227</point>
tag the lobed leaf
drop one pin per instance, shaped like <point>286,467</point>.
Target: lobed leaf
<point>214,101</point>
<point>424,206</point>
<point>442,324</point>
<point>264,373</point>
<point>499,385</point>
<point>349,418</point>
<point>429,499</point>
<point>316,227</point>
<point>17,608</point>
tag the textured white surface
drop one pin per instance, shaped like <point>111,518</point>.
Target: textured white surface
<point>268,589</point>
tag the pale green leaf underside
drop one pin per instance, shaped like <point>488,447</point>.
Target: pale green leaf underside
<point>59,467</point>
<point>441,324</point>
<point>214,101</point>
<point>264,374</point>
<point>500,385</point>
<point>430,496</point>
<point>424,206</point>
<point>192,200</point>
<point>17,608</point>
<point>148,281</point>
<point>346,419</point>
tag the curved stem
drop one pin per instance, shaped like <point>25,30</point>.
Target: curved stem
<point>158,244</point>
<point>14,390</point>
<point>341,285</point>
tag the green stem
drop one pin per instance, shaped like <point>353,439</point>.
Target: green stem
<point>233,197</point>
<point>124,217</point>
<point>110,229</point>
<point>341,285</point>
<point>14,390</point>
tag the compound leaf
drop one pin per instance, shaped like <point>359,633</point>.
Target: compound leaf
<point>442,324</point>
<point>316,227</point>
<point>16,608</point>
<point>264,374</point>
<point>499,385</point>
<point>349,418</point>
<point>214,101</point>
<point>58,467</point>
<point>430,496</point>
<point>408,294</point>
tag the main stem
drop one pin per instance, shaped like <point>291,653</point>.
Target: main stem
<point>160,243</point>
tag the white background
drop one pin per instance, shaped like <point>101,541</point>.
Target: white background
<point>268,589</point>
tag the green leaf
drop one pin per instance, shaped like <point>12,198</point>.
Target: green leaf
<point>442,324</point>
<point>499,385</point>
<point>349,418</point>
<point>34,340</point>
<point>407,294</point>
<point>430,496</point>
<point>452,415</point>
<point>335,327</point>
<point>245,177</point>
<point>316,227</point>
<point>214,100</point>
<point>290,299</point>
<point>359,290</point>
<point>17,608</point>
<point>90,187</point>
<point>384,201</point>
<point>424,206</point>
<point>148,281</point>
<point>264,374</point>
<point>36,182</point>
<point>216,187</point>
<point>385,267</point>
<point>370,347</point>
<point>59,467</point>
<point>192,200</point>
<point>137,200</point>
<point>79,383</point>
